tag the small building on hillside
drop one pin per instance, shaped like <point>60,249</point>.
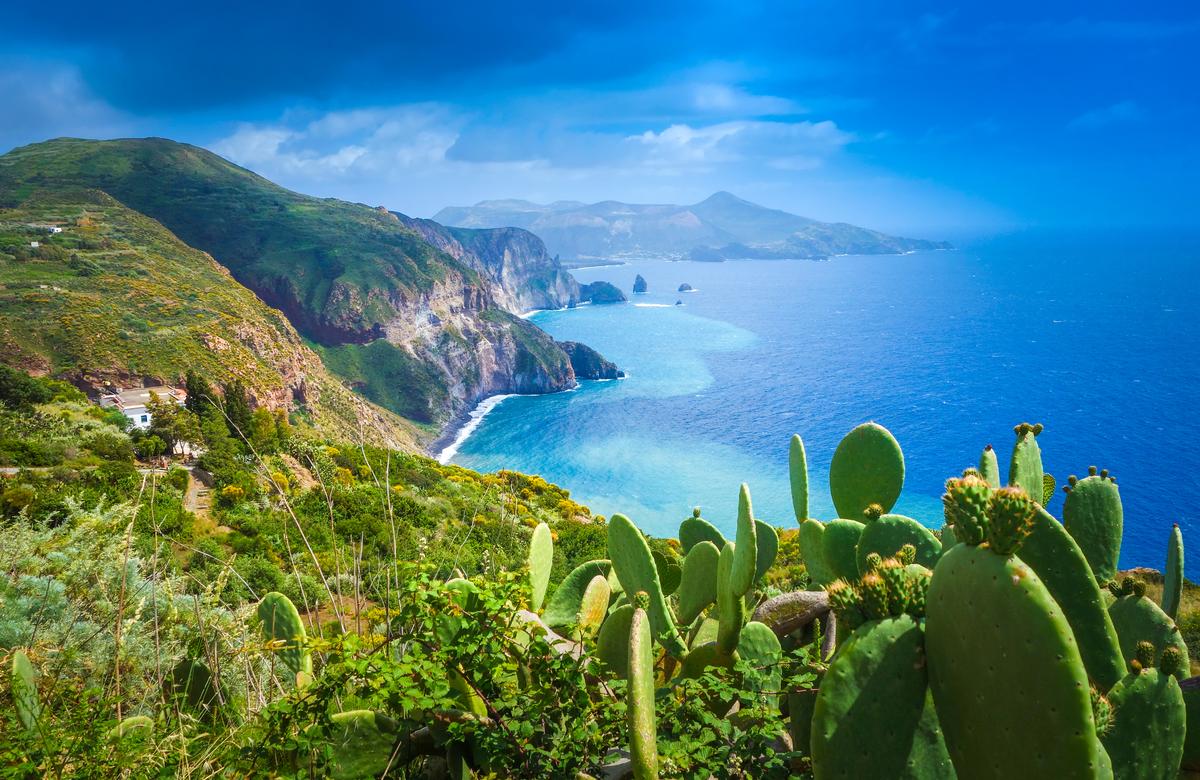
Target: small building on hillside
<point>134,403</point>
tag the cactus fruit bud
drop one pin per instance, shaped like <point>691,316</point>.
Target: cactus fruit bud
<point>641,600</point>
<point>873,561</point>
<point>1171,661</point>
<point>846,603</point>
<point>917,587</point>
<point>1037,429</point>
<point>896,579</point>
<point>1010,519</point>
<point>1139,588</point>
<point>696,512</point>
<point>1143,655</point>
<point>907,554</point>
<point>965,503</point>
<point>1104,473</point>
<point>873,512</point>
<point>1091,471</point>
<point>874,593</point>
<point>1102,713</point>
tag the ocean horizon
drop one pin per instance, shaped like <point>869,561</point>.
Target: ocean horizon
<point>947,349</point>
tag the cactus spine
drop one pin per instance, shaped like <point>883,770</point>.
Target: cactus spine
<point>643,745</point>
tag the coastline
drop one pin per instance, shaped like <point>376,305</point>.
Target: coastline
<point>446,445</point>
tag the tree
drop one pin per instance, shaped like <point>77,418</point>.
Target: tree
<point>172,423</point>
<point>200,394</point>
<point>264,432</point>
<point>19,390</point>
<point>237,410</point>
<point>150,447</point>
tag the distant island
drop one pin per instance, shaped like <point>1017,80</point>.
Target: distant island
<point>721,227</point>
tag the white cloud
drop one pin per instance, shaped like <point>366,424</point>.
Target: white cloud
<point>783,145</point>
<point>42,101</point>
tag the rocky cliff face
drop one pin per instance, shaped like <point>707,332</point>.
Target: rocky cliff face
<point>527,277</point>
<point>588,363</point>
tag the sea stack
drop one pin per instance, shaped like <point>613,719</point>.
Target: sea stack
<point>685,287</point>
<point>639,285</point>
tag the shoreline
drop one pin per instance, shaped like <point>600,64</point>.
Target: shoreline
<point>446,445</point>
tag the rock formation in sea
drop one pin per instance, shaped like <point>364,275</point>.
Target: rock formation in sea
<point>601,292</point>
<point>639,285</point>
<point>588,363</point>
<point>685,287</point>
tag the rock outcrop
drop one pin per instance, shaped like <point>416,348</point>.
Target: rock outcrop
<point>601,292</point>
<point>588,363</point>
<point>639,285</point>
<point>685,287</point>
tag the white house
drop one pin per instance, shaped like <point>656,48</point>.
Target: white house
<point>133,403</point>
<point>35,244</point>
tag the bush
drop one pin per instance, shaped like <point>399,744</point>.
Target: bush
<point>111,446</point>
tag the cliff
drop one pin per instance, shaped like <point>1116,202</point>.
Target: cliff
<point>416,316</point>
<point>588,363</point>
<point>601,292</point>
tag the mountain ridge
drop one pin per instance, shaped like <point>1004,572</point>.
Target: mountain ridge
<point>435,305</point>
<point>722,226</point>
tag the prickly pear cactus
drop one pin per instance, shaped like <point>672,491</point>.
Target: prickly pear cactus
<point>1092,514</point>
<point>798,476</point>
<point>872,717</point>
<point>1146,739</point>
<point>134,727</point>
<point>192,682</point>
<point>541,560</point>
<point>731,608</point>
<point>635,569</point>
<point>886,534</point>
<point>839,544</point>
<point>567,600</point>
<point>1008,681</point>
<point>767,544</point>
<point>696,529</point>
<point>745,562</point>
<point>1191,746</point>
<point>594,606</point>
<point>867,468</point>
<point>25,692</point>
<point>1173,577</point>
<point>643,734</point>
<point>1051,552</point>
<point>811,538</point>
<point>989,467</point>
<point>1049,485</point>
<point>698,586</point>
<point>759,647</point>
<point>363,742</point>
<point>1137,619</point>
<point>612,643</point>
<point>1025,466</point>
<point>669,571</point>
<point>281,623</point>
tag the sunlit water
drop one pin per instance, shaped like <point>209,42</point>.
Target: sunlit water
<point>1096,338</point>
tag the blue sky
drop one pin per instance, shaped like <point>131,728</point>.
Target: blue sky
<point>931,118</point>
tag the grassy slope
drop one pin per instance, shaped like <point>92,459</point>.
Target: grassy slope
<point>117,295</point>
<point>332,266</point>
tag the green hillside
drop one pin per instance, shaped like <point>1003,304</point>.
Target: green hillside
<point>116,298</point>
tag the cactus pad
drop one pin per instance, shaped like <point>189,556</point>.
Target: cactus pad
<point>1051,552</point>
<point>759,647</point>
<point>363,743</point>
<point>643,735</point>
<point>696,529</point>
<point>1025,466</point>
<point>798,476</point>
<point>568,598</point>
<point>870,718</point>
<point>1149,726</point>
<point>612,643</point>
<point>745,561</point>
<point>989,467</point>
<point>594,606</point>
<point>811,535</point>
<point>669,571</point>
<point>1173,577</point>
<point>25,692</point>
<point>889,533</point>
<point>635,569</point>
<point>1092,513</point>
<point>867,468</point>
<point>1139,619</point>
<point>281,623</point>
<point>731,608</point>
<point>1010,687</point>
<point>767,544</point>
<point>698,586</point>
<point>840,546</point>
<point>541,560</point>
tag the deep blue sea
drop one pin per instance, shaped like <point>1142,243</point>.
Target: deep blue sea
<point>1096,337</point>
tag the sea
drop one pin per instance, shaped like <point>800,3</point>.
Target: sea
<point>1094,335</point>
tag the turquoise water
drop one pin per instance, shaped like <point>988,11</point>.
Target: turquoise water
<point>1095,338</point>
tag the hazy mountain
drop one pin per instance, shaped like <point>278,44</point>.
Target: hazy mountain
<point>722,226</point>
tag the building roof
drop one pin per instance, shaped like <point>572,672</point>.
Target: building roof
<point>140,396</point>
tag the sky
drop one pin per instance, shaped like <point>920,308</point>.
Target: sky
<point>937,119</point>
